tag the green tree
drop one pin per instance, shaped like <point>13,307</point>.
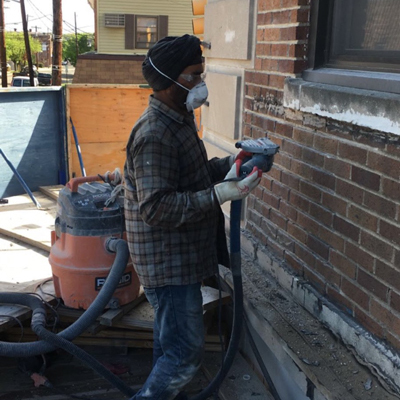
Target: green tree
<point>85,44</point>
<point>15,45</point>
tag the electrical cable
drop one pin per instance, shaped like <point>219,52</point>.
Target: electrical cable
<point>18,322</point>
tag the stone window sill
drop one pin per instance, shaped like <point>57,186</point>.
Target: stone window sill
<point>373,109</point>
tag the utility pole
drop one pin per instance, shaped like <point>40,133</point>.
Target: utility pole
<point>3,52</point>
<point>57,42</point>
<point>27,44</point>
<point>76,39</point>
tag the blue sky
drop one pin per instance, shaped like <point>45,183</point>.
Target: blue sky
<point>40,15</point>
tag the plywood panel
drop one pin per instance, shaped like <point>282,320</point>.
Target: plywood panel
<point>103,117</point>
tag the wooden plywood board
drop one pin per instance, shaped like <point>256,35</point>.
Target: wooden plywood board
<point>51,191</point>
<point>103,117</point>
<point>22,220</point>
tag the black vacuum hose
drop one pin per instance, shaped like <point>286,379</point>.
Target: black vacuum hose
<point>235,258</point>
<point>88,317</point>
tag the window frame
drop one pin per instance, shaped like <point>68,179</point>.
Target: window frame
<point>155,17</point>
<point>362,76</point>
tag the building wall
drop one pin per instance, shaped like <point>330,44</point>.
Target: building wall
<point>329,208</point>
<point>115,69</point>
<point>112,40</point>
<point>325,221</point>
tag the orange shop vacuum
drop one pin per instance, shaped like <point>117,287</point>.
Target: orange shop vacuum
<point>89,215</point>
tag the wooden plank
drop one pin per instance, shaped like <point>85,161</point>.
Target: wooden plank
<point>111,316</point>
<point>22,220</point>
<point>51,191</point>
<point>211,297</point>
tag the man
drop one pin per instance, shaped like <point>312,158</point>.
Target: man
<point>173,211</point>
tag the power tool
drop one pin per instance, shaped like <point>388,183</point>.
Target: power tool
<point>263,151</point>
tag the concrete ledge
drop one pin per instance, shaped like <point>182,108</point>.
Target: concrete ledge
<point>372,109</point>
<point>268,281</point>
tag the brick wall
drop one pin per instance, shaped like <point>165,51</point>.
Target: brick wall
<point>109,69</point>
<point>329,208</point>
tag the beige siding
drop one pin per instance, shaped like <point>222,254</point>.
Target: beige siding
<point>112,40</point>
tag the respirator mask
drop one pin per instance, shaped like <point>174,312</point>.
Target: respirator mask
<point>197,95</point>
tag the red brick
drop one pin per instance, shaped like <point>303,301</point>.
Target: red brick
<point>279,50</point>
<point>330,275</point>
<point>300,168</point>
<point>277,81</point>
<point>372,285</point>
<point>395,301</point>
<point>303,136</point>
<point>369,323</point>
<point>293,148</point>
<point>390,231</point>
<point>365,178</point>
<point>338,167</point>
<point>359,256</point>
<point>304,254</point>
<point>300,15</point>
<point>376,246</point>
<point>386,165</point>
<point>269,64</point>
<point>284,160</point>
<point>322,178</point>
<point>386,316</point>
<point>290,180</point>
<point>285,240</point>
<point>314,279</point>
<point>284,129</point>
<point>363,218</point>
<point>288,210</point>
<point>349,191</point>
<point>384,207</point>
<point>264,5</point>
<point>388,274</point>
<point>271,34</point>
<point>334,203</point>
<point>341,301</point>
<point>391,188</point>
<point>310,190</point>
<point>312,157</point>
<point>318,246</point>
<point>355,293</point>
<point>331,237</point>
<point>343,264</point>
<point>352,153</point>
<point>294,263</point>
<point>321,214</point>
<point>280,190</point>
<point>299,201</point>
<point>297,232</point>
<point>281,17</point>
<point>346,228</point>
<point>269,228</point>
<point>325,144</point>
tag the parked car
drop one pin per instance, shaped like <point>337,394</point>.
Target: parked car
<point>23,81</point>
<point>44,79</point>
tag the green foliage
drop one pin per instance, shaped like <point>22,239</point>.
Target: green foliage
<point>15,45</point>
<point>85,44</point>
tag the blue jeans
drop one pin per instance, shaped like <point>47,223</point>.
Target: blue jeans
<point>178,340</point>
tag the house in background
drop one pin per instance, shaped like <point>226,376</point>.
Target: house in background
<point>124,31</point>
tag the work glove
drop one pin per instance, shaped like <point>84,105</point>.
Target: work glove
<point>235,189</point>
<point>242,157</point>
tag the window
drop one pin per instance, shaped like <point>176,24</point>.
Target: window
<point>142,31</point>
<point>146,32</point>
<point>362,36</point>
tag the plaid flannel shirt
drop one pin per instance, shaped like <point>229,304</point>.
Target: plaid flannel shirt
<point>171,218</point>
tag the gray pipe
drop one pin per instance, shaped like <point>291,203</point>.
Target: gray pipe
<point>89,317</point>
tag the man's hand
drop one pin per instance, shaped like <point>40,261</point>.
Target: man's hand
<point>242,157</point>
<point>237,190</point>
